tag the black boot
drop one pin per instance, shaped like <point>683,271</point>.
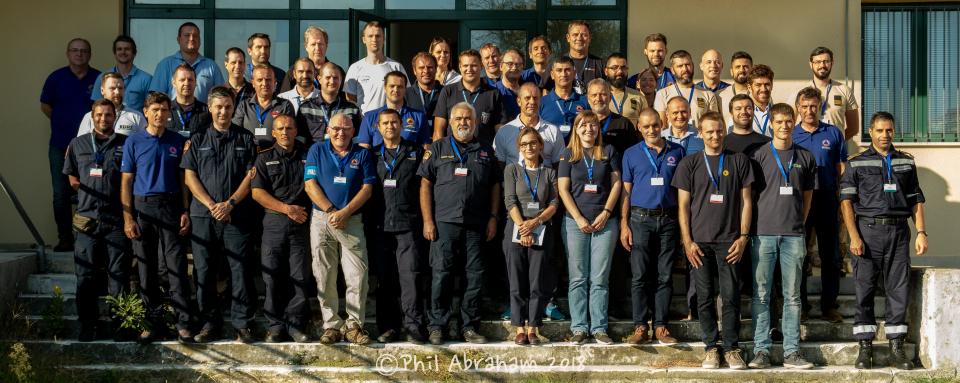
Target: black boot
<point>898,356</point>
<point>865,357</point>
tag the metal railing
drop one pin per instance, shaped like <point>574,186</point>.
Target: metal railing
<point>41,246</point>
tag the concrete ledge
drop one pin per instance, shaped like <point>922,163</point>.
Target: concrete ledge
<point>935,306</point>
<point>15,269</point>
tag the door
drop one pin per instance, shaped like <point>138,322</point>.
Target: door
<point>359,20</point>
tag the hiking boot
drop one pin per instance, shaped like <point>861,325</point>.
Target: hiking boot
<point>832,316</point>
<point>760,361</point>
<point>602,337</point>
<point>898,356</point>
<point>473,337</point>
<point>388,336</point>
<point>330,336</point>
<point>711,360</point>
<point>865,355</point>
<point>579,337</point>
<point>436,337</point>
<point>641,335</point>
<point>796,361</point>
<point>357,335</point>
<point>664,336</point>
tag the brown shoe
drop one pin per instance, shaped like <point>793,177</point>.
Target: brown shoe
<point>357,335</point>
<point>663,335</point>
<point>521,339</point>
<point>832,316</point>
<point>330,336</point>
<point>641,335</point>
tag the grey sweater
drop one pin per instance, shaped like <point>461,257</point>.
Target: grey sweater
<point>517,193</point>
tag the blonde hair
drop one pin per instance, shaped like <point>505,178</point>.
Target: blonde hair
<point>576,146</point>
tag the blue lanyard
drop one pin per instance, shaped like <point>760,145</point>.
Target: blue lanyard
<point>327,113</point>
<point>715,180</point>
<point>589,166</point>
<point>183,121</point>
<point>341,162</point>
<point>783,172</point>
<point>564,112</point>
<point>606,124</point>
<point>656,164</point>
<point>766,120</point>
<point>392,164</point>
<point>620,106</point>
<point>423,102</point>
<point>261,117</point>
<point>661,81</point>
<point>464,92</point>
<point>456,150</point>
<point>97,156</point>
<point>689,98</point>
<point>534,187</point>
<point>889,166</point>
<point>826,99</point>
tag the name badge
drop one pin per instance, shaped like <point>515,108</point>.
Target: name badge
<point>565,129</point>
<point>461,172</point>
<point>591,188</point>
<point>340,180</point>
<point>184,133</point>
<point>656,181</point>
<point>890,188</point>
<point>533,205</point>
<point>96,172</point>
<point>388,183</point>
<point>716,198</point>
<point>786,190</point>
<point>260,131</point>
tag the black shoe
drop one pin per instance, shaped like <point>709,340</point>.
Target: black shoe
<point>865,356</point>
<point>898,356</point>
<point>245,335</point>
<point>473,337</point>
<point>273,337</point>
<point>388,336</point>
<point>88,333</point>
<point>775,335</point>
<point>416,338</point>
<point>436,337</point>
<point>297,335</point>
<point>63,245</point>
<point>207,335</point>
<point>184,336</point>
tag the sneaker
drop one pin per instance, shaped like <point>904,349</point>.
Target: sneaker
<point>473,337</point>
<point>245,335</point>
<point>796,361</point>
<point>506,314</point>
<point>832,316</point>
<point>274,336</point>
<point>735,360</point>
<point>88,333</point>
<point>388,336</point>
<point>553,312</point>
<point>330,336</point>
<point>664,336</point>
<point>357,335</point>
<point>297,335</point>
<point>206,335</point>
<point>436,337</point>
<point>641,335</point>
<point>602,337</point>
<point>712,359</point>
<point>761,360</point>
<point>579,337</point>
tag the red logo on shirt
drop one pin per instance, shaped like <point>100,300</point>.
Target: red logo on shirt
<point>354,162</point>
<point>274,113</point>
<point>173,150</point>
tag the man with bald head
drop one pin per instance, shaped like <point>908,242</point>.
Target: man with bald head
<point>711,64</point>
<point>698,100</point>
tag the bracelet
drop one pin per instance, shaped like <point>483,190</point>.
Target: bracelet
<point>924,232</point>
<point>744,235</point>
<point>608,211</point>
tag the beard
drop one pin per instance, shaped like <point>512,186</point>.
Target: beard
<point>618,82</point>
<point>741,79</point>
<point>825,76</point>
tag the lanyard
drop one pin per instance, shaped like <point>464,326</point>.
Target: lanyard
<point>887,161</point>
<point>564,112</point>
<point>341,162</point>
<point>715,180</point>
<point>606,124</point>
<point>429,98</point>
<point>97,156</point>
<point>690,97</point>
<point>766,119</point>
<point>183,121</point>
<point>826,99</point>
<point>620,106</point>
<point>464,92</point>
<point>327,113</point>
<point>261,117</point>
<point>533,187</point>
<point>589,166</point>
<point>661,80</point>
<point>392,164</point>
<point>656,164</point>
<point>456,150</point>
<point>783,172</point>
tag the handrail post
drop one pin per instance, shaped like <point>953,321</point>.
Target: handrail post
<point>41,246</point>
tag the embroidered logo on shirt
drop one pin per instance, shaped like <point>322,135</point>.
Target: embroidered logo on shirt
<point>825,144</point>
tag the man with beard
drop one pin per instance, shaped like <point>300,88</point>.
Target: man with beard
<point>742,137</point>
<point>711,64</point>
<point>625,101</point>
<point>740,65</point>
<point>127,119</point>
<point>655,48</point>
<point>761,87</point>
<point>839,107</point>
<point>135,80</point>
<point>700,101</point>
<point>306,76</point>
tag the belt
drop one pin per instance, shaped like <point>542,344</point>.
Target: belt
<point>883,220</point>
<point>667,212</point>
<point>157,198</point>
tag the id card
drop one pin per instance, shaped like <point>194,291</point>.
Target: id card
<point>656,181</point>
<point>260,131</point>
<point>786,190</point>
<point>533,205</point>
<point>461,172</point>
<point>564,129</point>
<point>96,172</point>
<point>340,180</point>
<point>388,183</point>
<point>890,188</point>
<point>716,198</point>
<point>184,133</point>
<point>591,188</point>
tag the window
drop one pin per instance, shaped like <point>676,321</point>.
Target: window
<point>157,38</point>
<point>604,36</point>
<point>910,69</point>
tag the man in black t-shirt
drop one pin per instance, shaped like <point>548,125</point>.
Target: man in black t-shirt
<point>741,137</point>
<point>715,210</point>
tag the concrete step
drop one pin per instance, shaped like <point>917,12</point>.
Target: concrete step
<point>343,355</point>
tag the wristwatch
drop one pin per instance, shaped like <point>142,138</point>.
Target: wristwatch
<point>231,202</point>
<point>924,232</point>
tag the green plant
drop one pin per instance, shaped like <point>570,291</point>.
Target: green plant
<point>52,323</point>
<point>128,308</point>
<point>19,364</point>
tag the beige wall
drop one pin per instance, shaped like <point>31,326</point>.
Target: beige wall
<point>50,25</point>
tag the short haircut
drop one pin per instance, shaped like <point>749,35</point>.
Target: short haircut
<point>221,91</point>
<point>234,50</point>
<point>809,93</point>
<point>760,71</point>
<point>710,116</point>
<point>599,82</point>
<point>538,38</point>
<point>103,102</point>
<point>185,25</point>
<point>396,73</point>
<point>489,46</point>
<point>739,97</point>
<point>741,55</point>
<point>261,67</point>
<point>184,67</point>
<point>113,75</point>
<point>422,56</point>
<point>654,37</point>
<point>437,41</point>
<point>80,39</point>
<point>680,54</point>
<point>514,51</point>
<point>125,39</point>
<point>648,111</point>
<point>331,64</point>
<point>470,53</point>
<point>306,60</point>
<point>385,112</point>
<point>463,105</point>
<point>315,29</point>
<point>258,35</point>
<point>372,24</point>
<point>342,116</point>
<point>156,98</point>
<point>614,55</point>
<point>783,109</point>
<point>534,88</point>
<point>580,23</point>
<point>881,116</point>
<point>678,99</point>
<point>820,51</point>
<point>565,60</point>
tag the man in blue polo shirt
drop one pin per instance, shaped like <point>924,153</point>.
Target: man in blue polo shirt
<point>412,121</point>
<point>561,106</point>
<point>64,100</point>
<point>155,216</point>
<point>135,81</point>
<point>339,177</point>
<point>208,72</point>
<point>648,225</point>
<point>680,131</point>
<point>825,141</point>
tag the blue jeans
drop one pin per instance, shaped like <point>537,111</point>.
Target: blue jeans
<point>766,250</point>
<point>588,258</point>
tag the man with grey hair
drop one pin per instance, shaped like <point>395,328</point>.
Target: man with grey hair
<point>459,200</point>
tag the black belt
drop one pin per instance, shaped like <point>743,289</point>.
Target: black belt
<point>668,212</point>
<point>157,198</point>
<point>883,220</point>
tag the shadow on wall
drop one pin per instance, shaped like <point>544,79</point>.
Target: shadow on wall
<point>940,216</point>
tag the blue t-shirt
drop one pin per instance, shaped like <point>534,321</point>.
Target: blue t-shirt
<point>136,84</point>
<point>323,165</point>
<point>509,100</point>
<point>530,75</point>
<point>828,148</point>
<point>155,160</point>
<point>562,112</point>
<point>413,127</point>
<point>208,75</point>
<point>70,98</point>
<point>638,170</point>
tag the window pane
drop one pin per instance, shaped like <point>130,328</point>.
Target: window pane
<point>887,83</point>
<point>502,4</point>
<point>421,4</point>
<point>338,46</point>
<point>503,38</point>
<point>943,87</point>
<point>261,4</point>
<point>604,36</point>
<point>175,2</point>
<point>234,33</point>
<point>581,3</point>
<point>156,39</point>
<point>336,4</point>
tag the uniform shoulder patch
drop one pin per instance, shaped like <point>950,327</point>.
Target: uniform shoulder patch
<point>427,154</point>
<point>186,145</point>
<point>905,154</point>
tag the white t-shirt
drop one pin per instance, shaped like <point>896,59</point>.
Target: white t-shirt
<point>127,121</point>
<point>365,81</point>
<point>295,99</point>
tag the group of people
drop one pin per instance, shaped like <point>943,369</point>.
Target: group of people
<point>439,175</point>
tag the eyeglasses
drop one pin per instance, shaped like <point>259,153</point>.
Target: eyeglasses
<point>532,144</point>
<point>617,67</point>
<point>822,62</point>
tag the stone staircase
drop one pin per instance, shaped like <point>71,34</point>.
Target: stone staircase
<point>829,345</point>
